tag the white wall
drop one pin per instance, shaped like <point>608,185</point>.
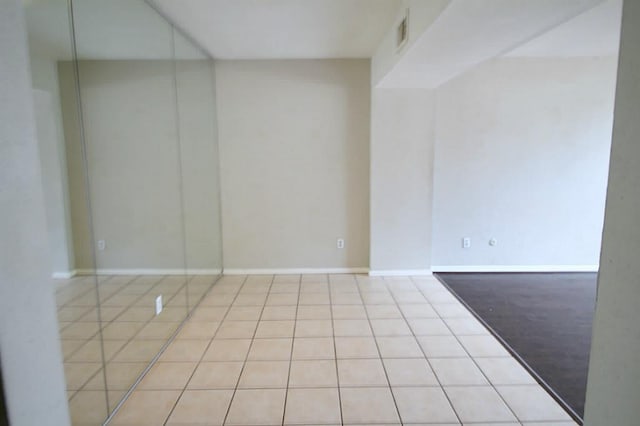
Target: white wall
<point>30,355</point>
<point>614,377</point>
<point>521,156</point>
<point>137,172</point>
<point>294,149</point>
<point>53,160</point>
<point>402,132</point>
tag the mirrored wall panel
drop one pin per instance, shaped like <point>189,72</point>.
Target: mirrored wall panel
<point>126,118</point>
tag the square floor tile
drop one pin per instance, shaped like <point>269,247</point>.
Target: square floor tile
<point>420,310</point>
<point>368,406</point>
<point>146,408</point>
<point>120,376</point>
<point>313,348</point>
<point>314,312</point>
<point>227,350</point>
<point>478,404</point>
<point>424,405</point>
<point>139,350</point>
<point>201,407</point>
<point>250,299</point>
<point>441,346</point>
<point>361,372</point>
<point>339,298</point>
<point>346,328</point>
<point>270,349</point>
<point>356,347</point>
<point>209,313</point>
<point>378,298</point>
<point>314,287</point>
<point>313,328</point>
<point>282,287</point>
<point>409,297</point>
<point>216,375</point>
<point>429,327</point>
<point>79,373</point>
<point>383,312</point>
<point>349,312</point>
<point>399,347</point>
<point>532,403</point>
<point>244,313</point>
<point>409,372</point>
<point>88,408</point>
<point>268,329</point>
<point>279,313</point>
<point>237,330</point>
<point>465,326</point>
<point>314,298</point>
<point>167,376</point>
<point>264,374</point>
<point>257,407</point>
<point>198,330</point>
<point>184,350</point>
<point>483,346</point>
<point>452,310</point>
<point>282,299</point>
<point>457,371</point>
<point>158,330</point>
<point>390,327</point>
<point>505,371</point>
<point>312,406</point>
<point>313,374</point>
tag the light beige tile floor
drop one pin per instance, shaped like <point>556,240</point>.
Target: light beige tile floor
<point>125,333</point>
<point>333,350</point>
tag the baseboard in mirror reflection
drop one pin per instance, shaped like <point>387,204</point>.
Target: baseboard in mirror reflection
<point>148,271</point>
<point>399,272</point>
<point>286,271</point>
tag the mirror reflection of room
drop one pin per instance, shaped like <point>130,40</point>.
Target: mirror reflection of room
<point>125,116</point>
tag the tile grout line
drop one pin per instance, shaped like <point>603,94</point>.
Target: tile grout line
<point>420,346</point>
<point>470,357</point>
<point>293,340</point>
<point>246,358</point>
<point>153,360</point>
<point>205,350</point>
<point>384,368</point>
<point>335,350</point>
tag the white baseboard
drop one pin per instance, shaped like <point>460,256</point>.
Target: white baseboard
<point>515,268</point>
<point>399,272</point>
<point>285,271</point>
<point>64,275</point>
<point>149,271</point>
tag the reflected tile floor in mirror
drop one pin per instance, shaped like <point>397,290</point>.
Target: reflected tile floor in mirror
<point>338,349</point>
<point>132,333</point>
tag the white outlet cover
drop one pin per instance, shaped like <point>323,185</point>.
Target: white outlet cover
<point>158,305</point>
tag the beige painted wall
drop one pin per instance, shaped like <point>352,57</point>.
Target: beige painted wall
<point>613,384</point>
<point>294,148</point>
<point>33,380</point>
<point>402,138</point>
<point>137,169</point>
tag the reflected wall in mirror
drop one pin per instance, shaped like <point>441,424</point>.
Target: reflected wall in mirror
<point>128,140</point>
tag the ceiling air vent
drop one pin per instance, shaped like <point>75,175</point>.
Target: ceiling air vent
<point>402,31</point>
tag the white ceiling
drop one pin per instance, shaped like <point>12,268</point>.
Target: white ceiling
<point>595,32</point>
<point>284,29</point>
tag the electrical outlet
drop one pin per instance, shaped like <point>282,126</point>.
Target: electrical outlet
<point>340,243</point>
<point>158,305</point>
<point>466,242</point>
<point>102,244</point>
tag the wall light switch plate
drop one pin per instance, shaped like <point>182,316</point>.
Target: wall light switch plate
<point>340,243</point>
<point>466,242</point>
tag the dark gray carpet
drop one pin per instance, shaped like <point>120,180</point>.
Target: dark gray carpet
<point>546,318</point>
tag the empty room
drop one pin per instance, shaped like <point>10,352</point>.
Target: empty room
<point>319,212</point>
